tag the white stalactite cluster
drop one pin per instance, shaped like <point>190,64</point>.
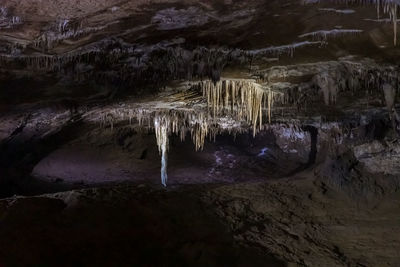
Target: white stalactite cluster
<point>232,105</point>
<point>168,122</point>
<point>243,99</point>
<point>178,121</point>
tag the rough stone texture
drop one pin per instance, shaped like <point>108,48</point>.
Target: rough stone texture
<point>81,83</point>
<point>292,140</point>
<point>122,225</point>
<point>379,158</point>
<point>308,223</point>
<point>300,220</point>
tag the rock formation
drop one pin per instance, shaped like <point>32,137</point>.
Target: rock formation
<point>274,125</point>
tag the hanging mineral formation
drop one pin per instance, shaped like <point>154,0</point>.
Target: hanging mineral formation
<point>241,98</point>
<point>161,125</point>
<point>389,7</point>
<point>328,86</point>
<point>390,98</point>
<point>325,34</point>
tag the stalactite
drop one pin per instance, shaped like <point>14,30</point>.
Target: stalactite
<point>241,98</point>
<point>235,105</point>
<point>390,96</point>
<point>342,76</point>
<point>269,105</point>
<point>279,50</point>
<point>390,99</point>
<point>324,34</point>
<point>389,7</point>
<point>394,18</point>
<point>378,8</point>
<point>161,125</point>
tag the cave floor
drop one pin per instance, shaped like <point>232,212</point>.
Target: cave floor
<point>122,225</point>
<point>299,220</point>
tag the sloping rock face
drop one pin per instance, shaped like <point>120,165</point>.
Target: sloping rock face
<point>114,229</point>
<point>309,223</point>
<point>378,157</point>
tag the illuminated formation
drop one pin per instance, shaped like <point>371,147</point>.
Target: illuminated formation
<point>243,99</point>
<point>207,108</point>
<point>227,106</point>
<point>161,124</point>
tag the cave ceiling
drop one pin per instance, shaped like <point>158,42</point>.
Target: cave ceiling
<point>49,28</point>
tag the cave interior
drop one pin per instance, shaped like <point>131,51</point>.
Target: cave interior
<point>199,133</point>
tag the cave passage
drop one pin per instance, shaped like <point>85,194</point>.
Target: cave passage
<point>199,133</point>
